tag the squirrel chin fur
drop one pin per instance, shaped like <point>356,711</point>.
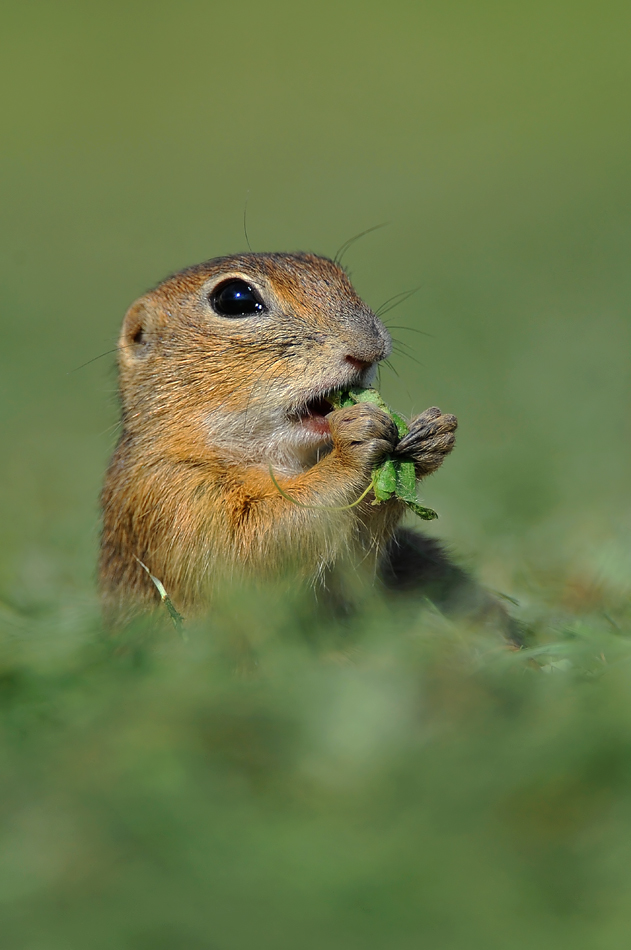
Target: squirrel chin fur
<point>224,370</point>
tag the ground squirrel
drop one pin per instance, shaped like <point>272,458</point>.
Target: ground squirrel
<point>225,369</point>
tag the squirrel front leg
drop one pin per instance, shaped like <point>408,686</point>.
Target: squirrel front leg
<point>249,524</point>
<point>266,524</point>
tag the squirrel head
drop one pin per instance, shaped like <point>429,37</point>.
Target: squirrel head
<point>239,354</point>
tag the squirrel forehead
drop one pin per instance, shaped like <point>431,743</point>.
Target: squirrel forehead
<point>294,278</point>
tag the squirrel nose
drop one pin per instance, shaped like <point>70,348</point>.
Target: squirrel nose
<point>360,365</point>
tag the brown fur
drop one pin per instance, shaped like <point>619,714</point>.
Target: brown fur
<point>209,402</point>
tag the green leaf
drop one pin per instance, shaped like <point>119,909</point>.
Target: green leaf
<point>427,514</point>
<point>384,481</point>
<point>402,426</point>
<point>368,395</point>
<point>393,477</point>
<point>406,481</point>
<point>341,400</point>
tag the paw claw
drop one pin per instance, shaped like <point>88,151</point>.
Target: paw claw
<point>430,439</point>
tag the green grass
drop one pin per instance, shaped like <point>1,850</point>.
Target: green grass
<point>399,780</point>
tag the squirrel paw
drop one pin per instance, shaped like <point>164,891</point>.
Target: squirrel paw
<point>363,434</point>
<point>430,439</point>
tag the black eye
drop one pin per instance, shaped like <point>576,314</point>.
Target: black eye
<point>235,298</point>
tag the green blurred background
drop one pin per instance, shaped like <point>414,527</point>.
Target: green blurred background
<point>494,139</point>
<point>399,787</point>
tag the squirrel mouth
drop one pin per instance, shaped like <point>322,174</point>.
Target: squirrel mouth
<point>312,416</point>
<point>320,406</point>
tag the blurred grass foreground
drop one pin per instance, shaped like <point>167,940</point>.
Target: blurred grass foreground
<point>401,780</point>
<point>392,782</point>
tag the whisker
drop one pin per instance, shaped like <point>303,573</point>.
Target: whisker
<point>391,326</point>
<point>245,222</point>
<point>396,301</point>
<point>348,244</point>
<point>409,356</point>
<point>402,294</point>
<point>389,300</point>
<point>121,346</point>
<point>93,360</point>
<point>401,343</point>
<point>112,428</point>
<point>390,367</point>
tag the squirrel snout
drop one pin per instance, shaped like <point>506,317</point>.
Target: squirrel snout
<point>367,351</point>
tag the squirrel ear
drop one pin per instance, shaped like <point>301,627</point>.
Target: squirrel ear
<point>135,339</point>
